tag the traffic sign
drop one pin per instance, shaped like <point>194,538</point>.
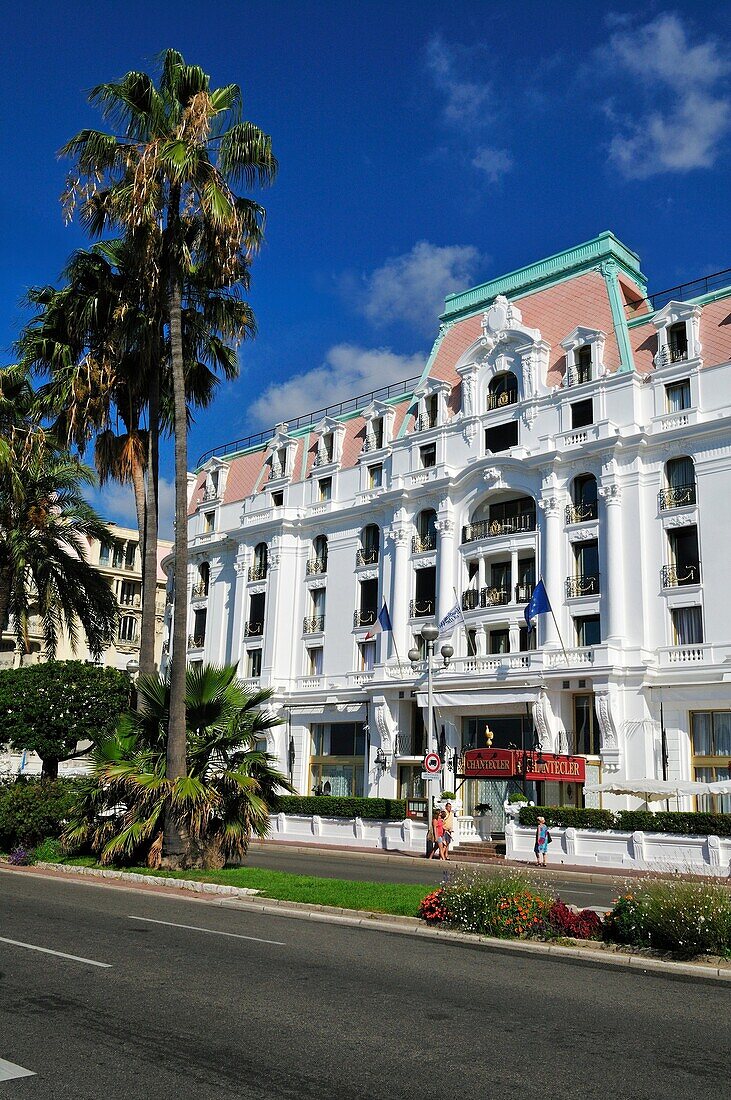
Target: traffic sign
<point>432,763</point>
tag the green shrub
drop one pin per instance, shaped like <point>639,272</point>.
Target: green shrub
<point>517,796</point>
<point>49,850</point>
<point>511,903</point>
<point>374,809</point>
<point>567,817</point>
<point>687,918</point>
<point>447,794</point>
<point>31,810</point>
<point>686,824</point>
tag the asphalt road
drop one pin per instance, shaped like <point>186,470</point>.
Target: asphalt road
<point>361,868</point>
<point>189,1007</point>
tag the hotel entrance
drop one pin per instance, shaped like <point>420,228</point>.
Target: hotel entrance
<point>484,798</point>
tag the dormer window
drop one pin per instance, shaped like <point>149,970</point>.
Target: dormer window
<point>428,419</point>
<point>279,462</point>
<point>678,342</point>
<point>678,333</point>
<point>377,426</point>
<point>503,390</point>
<point>583,364</point>
<point>584,349</point>
<point>325,488</point>
<point>324,454</point>
<point>431,404</point>
<point>377,429</point>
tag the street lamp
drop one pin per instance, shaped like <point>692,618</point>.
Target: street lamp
<point>133,667</point>
<point>430,633</point>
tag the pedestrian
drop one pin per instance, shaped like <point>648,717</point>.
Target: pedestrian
<point>448,828</point>
<point>437,825</point>
<point>543,839</point>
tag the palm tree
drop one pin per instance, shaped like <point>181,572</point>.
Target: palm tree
<point>45,525</point>
<point>182,148</point>
<point>223,799</point>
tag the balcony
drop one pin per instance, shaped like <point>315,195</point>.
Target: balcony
<point>253,630</point>
<point>671,576</point>
<point>365,617</point>
<point>315,566</point>
<point>585,584</point>
<point>209,493</point>
<point>257,572</point>
<point>366,557</point>
<point>501,400</point>
<point>196,641</point>
<point>425,421</point>
<point>580,513</point>
<point>486,597</point>
<point>200,591</point>
<point>491,529</point>
<point>421,609</point>
<point>313,625</point>
<point>422,544</point>
<point>523,592</point>
<point>677,497</point>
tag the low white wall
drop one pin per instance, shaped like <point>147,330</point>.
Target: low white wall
<point>390,836</point>
<point>705,855</point>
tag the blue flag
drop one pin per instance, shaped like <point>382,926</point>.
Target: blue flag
<point>383,622</point>
<point>538,604</point>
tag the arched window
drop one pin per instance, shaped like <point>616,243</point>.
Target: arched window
<point>584,499</point>
<point>204,578</point>
<point>318,562</point>
<point>426,531</point>
<point>680,483</point>
<point>678,342</point>
<point>503,390</point>
<point>258,570</point>
<point>370,541</point>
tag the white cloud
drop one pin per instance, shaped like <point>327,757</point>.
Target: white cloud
<point>687,111</point>
<point>411,288</point>
<point>493,162</point>
<point>466,100</point>
<point>348,371</point>
<point>116,502</point>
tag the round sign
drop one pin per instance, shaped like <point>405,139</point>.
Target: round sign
<point>432,763</point>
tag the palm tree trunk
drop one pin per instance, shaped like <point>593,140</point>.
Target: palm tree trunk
<point>149,569</point>
<point>174,845</point>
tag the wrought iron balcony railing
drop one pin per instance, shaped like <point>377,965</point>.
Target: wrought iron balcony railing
<point>470,599</point>
<point>313,625</point>
<point>425,421</point>
<point>366,557</point>
<point>196,641</point>
<point>421,544</point>
<point>494,597</point>
<point>365,617</point>
<point>253,630</point>
<point>258,572</point>
<point>419,609</point>
<point>585,584</point>
<point>200,590</point>
<point>676,497</point>
<point>316,565</point>
<point>209,493</point>
<point>490,529</point>
<point>372,443</point>
<point>500,400</point>
<point>673,575</point>
<point>580,513</point>
<point>523,592</point>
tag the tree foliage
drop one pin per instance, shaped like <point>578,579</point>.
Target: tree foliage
<point>49,708</point>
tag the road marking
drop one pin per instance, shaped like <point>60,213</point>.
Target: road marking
<point>48,951</point>
<point>212,931</point>
<point>9,1071</point>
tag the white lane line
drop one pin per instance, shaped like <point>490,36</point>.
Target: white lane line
<point>48,951</point>
<point>212,931</point>
<point>9,1071</point>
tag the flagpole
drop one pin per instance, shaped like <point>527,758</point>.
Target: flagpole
<point>393,637</point>
<point>555,623</point>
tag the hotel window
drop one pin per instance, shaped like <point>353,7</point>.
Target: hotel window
<point>209,522</point>
<point>325,488</point>
<point>337,763</point>
<point>502,437</point>
<point>588,630</point>
<point>105,553</point>
<point>314,660</point>
<point>257,611</point>
<point>583,363</point>
<point>678,342</point>
<point>687,625</point>
<point>118,557</point>
<point>677,396</point>
<point>428,456</point>
<point>471,643</point>
<point>326,449</point>
<point>366,656</point>
<point>127,630</point>
<point>377,429</point>
<point>499,641</point>
<point>684,565</point>
<point>527,639</point>
<point>710,733</point>
<point>582,413</point>
<point>375,476</point>
<point>277,499</point>
<point>127,593</point>
<point>586,726</point>
<point>253,663</point>
<point>199,628</point>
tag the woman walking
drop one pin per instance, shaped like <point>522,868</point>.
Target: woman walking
<point>437,824</point>
<point>542,841</point>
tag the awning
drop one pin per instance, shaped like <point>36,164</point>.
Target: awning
<point>482,700</point>
<point>656,790</point>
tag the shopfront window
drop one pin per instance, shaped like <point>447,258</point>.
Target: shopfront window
<point>586,726</point>
<point>710,732</point>
<point>337,763</point>
<point>410,782</point>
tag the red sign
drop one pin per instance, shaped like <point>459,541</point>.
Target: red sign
<point>519,764</point>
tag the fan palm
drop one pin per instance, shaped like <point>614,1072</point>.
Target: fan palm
<point>218,805</point>
<point>171,170</point>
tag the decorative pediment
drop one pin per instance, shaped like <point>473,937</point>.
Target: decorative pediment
<point>280,451</point>
<point>330,435</point>
<point>678,313</point>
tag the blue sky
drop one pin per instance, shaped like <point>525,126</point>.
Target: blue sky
<point>423,146</point>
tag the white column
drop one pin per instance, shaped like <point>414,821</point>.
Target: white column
<point>550,568</point>
<point>445,566</point>
<point>401,591</point>
<point>612,580</point>
<point>481,571</point>
<point>216,618</point>
<point>271,608</point>
<point>241,570</point>
<point>513,574</point>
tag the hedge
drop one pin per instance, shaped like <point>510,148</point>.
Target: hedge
<point>375,809</point>
<point>629,821</point>
<point>31,810</point>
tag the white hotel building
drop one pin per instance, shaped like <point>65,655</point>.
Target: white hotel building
<point>566,425</point>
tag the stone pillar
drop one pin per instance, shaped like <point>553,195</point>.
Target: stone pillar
<point>445,566</point>
<point>612,580</point>
<point>271,610</point>
<point>550,568</point>
<point>480,573</point>
<point>401,591</point>
<point>513,574</point>
<point>241,572</point>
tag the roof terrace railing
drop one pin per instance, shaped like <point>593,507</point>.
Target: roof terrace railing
<point>694,289</point>
<point>352,404</point>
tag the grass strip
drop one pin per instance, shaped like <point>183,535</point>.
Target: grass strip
<point>378,897</point>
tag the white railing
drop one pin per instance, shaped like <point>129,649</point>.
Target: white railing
<point>569,659</point>
<point>309,683</point>
<point>356,679</point>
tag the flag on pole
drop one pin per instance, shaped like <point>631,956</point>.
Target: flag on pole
<point>23,760</point>
<point>450,620</point>
<point>538,604</point>
<point>382,623</point>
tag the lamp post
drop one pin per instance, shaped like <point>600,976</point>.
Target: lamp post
<point>430,633</point>
<point>132,667</point>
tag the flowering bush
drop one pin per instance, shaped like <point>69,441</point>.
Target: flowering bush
<point>20,857</point>
<point>584,925</point>
<point>506,904</point>
<point>432,907</point>
<point>687,918</point>
<point>521,914</point>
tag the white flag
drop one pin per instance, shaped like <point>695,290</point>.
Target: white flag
<point>450,620</point>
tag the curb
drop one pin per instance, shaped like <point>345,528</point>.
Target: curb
<point>234,897</point>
